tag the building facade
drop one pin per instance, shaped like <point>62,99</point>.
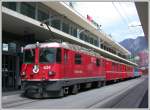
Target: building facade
<point>21,25</point>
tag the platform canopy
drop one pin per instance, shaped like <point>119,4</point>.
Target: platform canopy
<point>20,24</point>
<point>142,9</point>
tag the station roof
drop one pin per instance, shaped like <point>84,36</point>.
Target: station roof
<point>76,17</point>
<point>142,10</point>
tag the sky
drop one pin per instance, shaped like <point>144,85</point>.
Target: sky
<point>118,19</point>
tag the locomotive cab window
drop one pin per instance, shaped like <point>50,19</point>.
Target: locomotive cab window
<point>78,59</point>
<point>29,56</point>
<point>58,55</point>
<point>47,55</point>
<point>50,55</point>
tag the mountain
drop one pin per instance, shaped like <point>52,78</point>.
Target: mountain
<point>139,48</point>
<point>135,45</point>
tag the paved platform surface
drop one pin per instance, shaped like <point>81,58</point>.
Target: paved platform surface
<point>126,94</point>
<point>9,93</point>
<point>144,103</point>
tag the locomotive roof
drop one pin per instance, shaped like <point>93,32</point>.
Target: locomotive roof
<point>71,47</point>
<point>64,45</point>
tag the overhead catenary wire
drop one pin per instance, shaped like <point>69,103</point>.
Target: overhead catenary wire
<point>135,31</point>
<point>129,20</point>
<point>121,6</point>
<point>124,20</point>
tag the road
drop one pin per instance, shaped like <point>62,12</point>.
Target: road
<point>126,94</point>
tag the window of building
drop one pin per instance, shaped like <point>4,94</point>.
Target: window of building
<point>10,5</point>
<point>91,40</point>
<point>56,23</point>
<point>43,13</point>
<point>95,43</point>
<point>102,46</point>
<point>85,38</point>
<point>88,39</point>
<point>78,59</point>
<point>82,36</point>
<point>73,31</point>
<point>28,9</point>
<point>107,49</point>
<point>65,27</point>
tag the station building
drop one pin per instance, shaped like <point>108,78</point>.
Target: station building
<point>21,25</point>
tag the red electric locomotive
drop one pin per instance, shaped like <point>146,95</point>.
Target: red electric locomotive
<point>56,69</point>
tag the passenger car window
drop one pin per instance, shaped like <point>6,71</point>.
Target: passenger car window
<point>97,62</point>
<point>78,59</point>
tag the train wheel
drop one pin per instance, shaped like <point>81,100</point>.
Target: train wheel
<point>61,92</point>
<point>75,89</point>
<point>45,95</point>
<point>103,83</point>
<point>99,84</point>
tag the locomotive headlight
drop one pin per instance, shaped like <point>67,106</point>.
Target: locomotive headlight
<point>51,73</point>
<point>35,69</point>
<point>23,74</point>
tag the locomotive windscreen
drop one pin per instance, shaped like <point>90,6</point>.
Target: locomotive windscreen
<point>47,55</point>
<point>29,56</point>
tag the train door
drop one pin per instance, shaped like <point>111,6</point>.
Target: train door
<point>67,63</point>
<point>124,72</point>
<point>103,70</point>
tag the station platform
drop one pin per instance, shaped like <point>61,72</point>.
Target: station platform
<point>9,93</point>
<point>127,94</point>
